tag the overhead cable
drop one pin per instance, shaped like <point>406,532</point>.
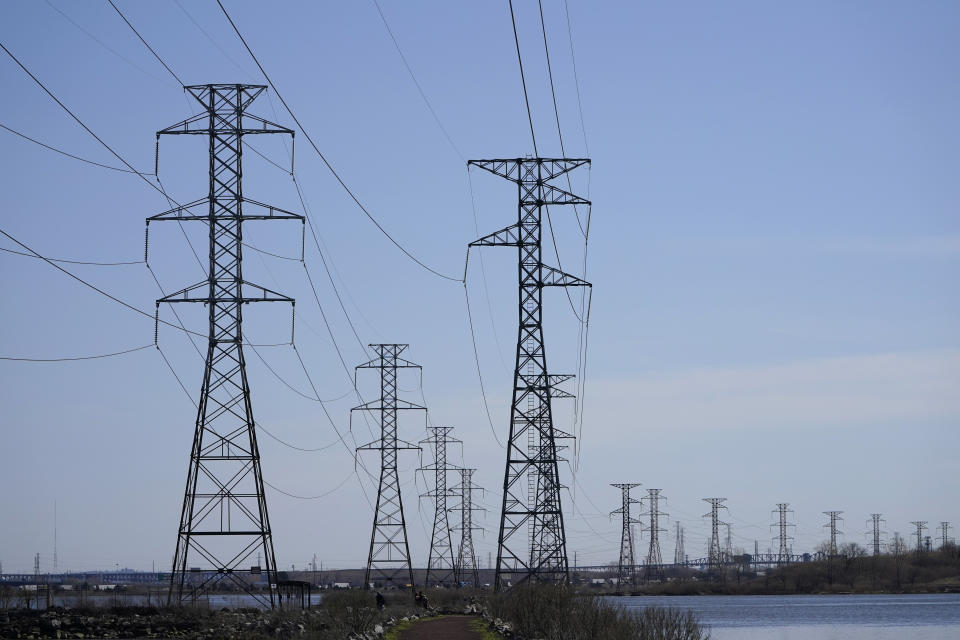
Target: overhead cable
<point>132,28</point>
<point>326,162</point>
<point>523,79</point>
<point>69,155</point>
<point>76,358</point>
<point>64,261</point>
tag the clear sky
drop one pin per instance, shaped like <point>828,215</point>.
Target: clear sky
<point>775,248</point>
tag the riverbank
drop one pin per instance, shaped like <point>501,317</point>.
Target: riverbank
<point>899,572</point>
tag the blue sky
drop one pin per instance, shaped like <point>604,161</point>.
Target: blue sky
<point>774,249</point>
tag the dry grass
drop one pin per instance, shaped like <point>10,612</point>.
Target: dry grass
<point>557,613</point>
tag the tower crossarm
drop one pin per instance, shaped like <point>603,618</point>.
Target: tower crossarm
<point>215,101</point>
<point>376,405</point>
<point>550,277</point>
<point>188,212</point>
<point>226,294</point>
<point>506,237</point>
<point>513,168</point>
<point>193,124</point>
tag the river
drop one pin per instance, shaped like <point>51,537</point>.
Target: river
<point>819,617</point>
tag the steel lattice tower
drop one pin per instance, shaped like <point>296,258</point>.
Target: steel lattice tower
<point>679,556</point>
<point>875,520</point>
<point>920,525</point>
<point>441,563</point>
<point>834,517</point>
<point>626,570</point>
<point>466,556</point>
<point>783,553</point>
<point>531,447</point>
<point>389,556</point>
<point>654,569</point>
<point>944,535</point>
<point>715,555</point>
<point>224,519</point>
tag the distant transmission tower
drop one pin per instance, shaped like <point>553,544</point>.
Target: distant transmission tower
<point>626,571</point>
<point>679,556</point>
<point>834,517</point>
<point>920,525</point>
<point>715,555</point>
<point>389,559</point>
<point>467,566</point>
<point>654,568</point>
<point>224,520</point>
<point>441,565</point>
<point>875,533</point>
<point>532,446</point>
<point>944,535</point>
<point>783,555</point>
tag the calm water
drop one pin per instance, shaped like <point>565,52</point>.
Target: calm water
<point>847,617</point>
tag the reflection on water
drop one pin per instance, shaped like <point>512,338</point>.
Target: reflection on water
<point>819,617</point>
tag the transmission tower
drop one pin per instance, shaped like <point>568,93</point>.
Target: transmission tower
<point>875,532</point>
<point>944,535</point>
<point>626,572</point>
<point>224,519</point>
<point>466,557</point>
<point>654,568</point>
<point>531,447</point>
<point>783,555</point>
<point>388,561</point>
<point>441,565</point>
<point>715,556</point>
<point>920,525</point>
<point>679,556</point>
<point>834,518</point>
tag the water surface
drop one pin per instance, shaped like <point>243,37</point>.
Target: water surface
<point>819,617</point>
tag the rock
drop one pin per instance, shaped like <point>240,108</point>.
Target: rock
<point>378,629</point>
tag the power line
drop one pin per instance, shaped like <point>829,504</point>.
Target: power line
<point>69,155</point>
<point>523,79</point>
<point>76,358</point>
<point>324,159</point>
<point>132,28</point>
<point>415,82</point>
<point>316,497</point>
<point>82,124</point>
<point>576,79</point>
<point>96,288</point>
<point>64,261</point>
<point>210,38</point>
<point>104,45</point>
<point>553,90</point>
<point>476,357</point>
<point>175,375</point>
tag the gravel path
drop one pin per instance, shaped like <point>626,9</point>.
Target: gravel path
<point>446,628</point>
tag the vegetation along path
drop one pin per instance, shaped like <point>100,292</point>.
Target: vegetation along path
<point>442,628</point>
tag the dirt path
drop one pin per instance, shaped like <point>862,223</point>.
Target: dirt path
<point>445,628</point>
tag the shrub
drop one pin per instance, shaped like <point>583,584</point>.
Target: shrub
<point>352,611</point>
<point>557,613</point>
